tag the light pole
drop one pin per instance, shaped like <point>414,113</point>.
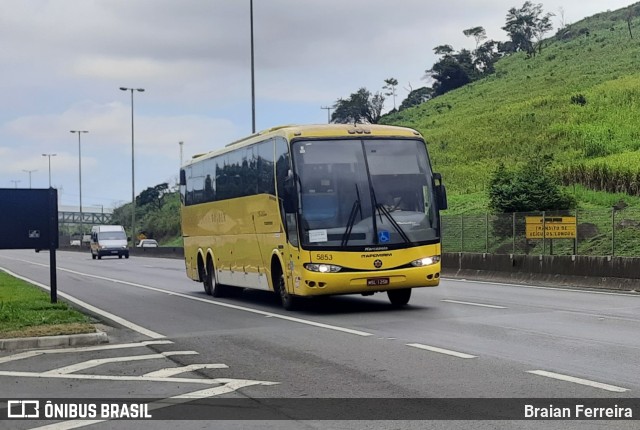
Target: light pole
<point>253,82</point>
<point>29,172</point>
<point>80,176</point>
<point>328,113</point>
<point>15,182</point>
<point>133,176</point>
<point>49,155</point>
<point>181,143</point>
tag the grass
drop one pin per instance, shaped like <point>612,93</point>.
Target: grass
<point>26,310</point>
<point>529,107</point>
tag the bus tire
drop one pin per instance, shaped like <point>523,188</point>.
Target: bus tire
<point>216,289</point>
<point>399,298</point>
<point>289,301</point>
<point>209,278</point>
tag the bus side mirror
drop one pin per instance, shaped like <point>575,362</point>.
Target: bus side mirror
<point>183,177</point>
<point>290,197</point>
<point>441,191</point>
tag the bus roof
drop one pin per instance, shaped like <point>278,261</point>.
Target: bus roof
<point>315,131</point>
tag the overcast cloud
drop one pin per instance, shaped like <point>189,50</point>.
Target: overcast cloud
<point>63,61</point>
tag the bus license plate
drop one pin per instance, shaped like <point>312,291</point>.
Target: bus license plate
<point>373,282</point>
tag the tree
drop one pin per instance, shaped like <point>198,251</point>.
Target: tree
<point>451,72</point>
<point>390,85</point>
<point>416,97</point>
<point>478,33</point>
<point>530,188</point>
<point>360,106</point>
<point>526,24</point>
<point>485,57</point>
<point>153,196</point>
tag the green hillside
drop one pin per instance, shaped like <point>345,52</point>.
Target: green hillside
<point>578,100</point>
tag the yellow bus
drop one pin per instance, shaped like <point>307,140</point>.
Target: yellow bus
<point>314,210</point>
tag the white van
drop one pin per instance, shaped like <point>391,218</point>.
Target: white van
<point>108,240</point>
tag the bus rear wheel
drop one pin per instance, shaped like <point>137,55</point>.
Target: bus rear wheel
<point>399,298</point>
<point>211,286</point>
<point>209,278</point>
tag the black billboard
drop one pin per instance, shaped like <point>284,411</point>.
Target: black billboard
<point>28,218</point>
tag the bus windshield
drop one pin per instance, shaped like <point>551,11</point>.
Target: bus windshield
<point>365,193</point>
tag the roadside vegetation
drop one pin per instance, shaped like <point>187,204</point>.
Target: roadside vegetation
<point>26,311</point>
<point>569,101</point>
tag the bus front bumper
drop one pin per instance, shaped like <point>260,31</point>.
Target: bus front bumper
<point>317,284</point>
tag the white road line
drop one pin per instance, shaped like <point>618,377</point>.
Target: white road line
<point>441,350</point>
<point>130,325</point>
<point>473,304</point>
<point>19,374</point>
<point>29,354</point>
<point>230,385</point>
<point>578,380</point>
<point>211,302</point>
<point>100,361</point>
<point>171,371</point>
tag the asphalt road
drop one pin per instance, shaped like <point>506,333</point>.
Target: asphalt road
<point>463,339</point>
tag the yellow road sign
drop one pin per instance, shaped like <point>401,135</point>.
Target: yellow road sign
<point>554,227</point>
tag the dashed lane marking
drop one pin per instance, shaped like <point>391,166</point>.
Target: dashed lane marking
<point>473,304</point>
<point>441,350</point>
<point>580,381</point>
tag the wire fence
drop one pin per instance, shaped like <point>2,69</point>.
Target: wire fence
<point>609,232</point>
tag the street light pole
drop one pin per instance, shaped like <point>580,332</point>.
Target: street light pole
<point>80,177</point>
<point>328,113</point>
<point>15,182</point>
<point>133,176</point>
<point>49,155</point>
<point>29,172</point>
<point>253,82</point>
<point>181,143</point>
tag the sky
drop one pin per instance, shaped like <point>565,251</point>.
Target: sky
<point>63,62</point>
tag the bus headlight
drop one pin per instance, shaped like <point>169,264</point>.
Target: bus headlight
<point>322,268</point>
<point>426,261</point>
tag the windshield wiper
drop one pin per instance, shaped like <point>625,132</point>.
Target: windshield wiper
<point>393,222</point>
<point>352,218</point>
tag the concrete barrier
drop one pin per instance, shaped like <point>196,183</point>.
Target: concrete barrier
<point>161,251</point>
<point>619,273</point>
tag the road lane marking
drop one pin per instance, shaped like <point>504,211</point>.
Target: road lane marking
<point>186,296</point>
<point>171,371</point>
<point>100,361</point>
<point>230,385</point>
<point>29,354</point>
<point>129,378</point>
<point>441,350</point>
<point>578,380</point>
<point>130,325</point>
<point>473,304</point>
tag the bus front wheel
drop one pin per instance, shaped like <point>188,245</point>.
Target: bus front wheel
<point>289,301</point>
<point>399,298</point>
